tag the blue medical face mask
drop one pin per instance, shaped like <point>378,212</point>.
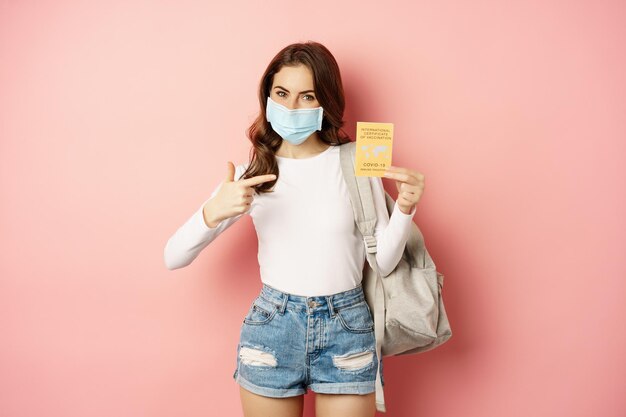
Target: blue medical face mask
<point>296,125</point>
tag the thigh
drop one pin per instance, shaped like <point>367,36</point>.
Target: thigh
<point>255,405</point>
<point>345,405</point>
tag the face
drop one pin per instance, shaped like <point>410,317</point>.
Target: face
<point>293,88</point>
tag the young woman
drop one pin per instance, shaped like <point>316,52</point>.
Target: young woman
<point>309,327</point>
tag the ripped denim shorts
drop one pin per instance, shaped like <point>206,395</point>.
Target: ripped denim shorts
<point>289,343</point>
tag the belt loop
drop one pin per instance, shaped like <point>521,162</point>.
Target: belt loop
<point>284,305</point>
<point>331,308</point>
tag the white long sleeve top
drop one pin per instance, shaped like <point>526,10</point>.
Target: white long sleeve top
<point>309,243</point>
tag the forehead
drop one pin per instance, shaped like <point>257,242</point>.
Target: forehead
<point>297,78</point>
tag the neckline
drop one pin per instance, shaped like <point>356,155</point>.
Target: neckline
<point>325,151</point>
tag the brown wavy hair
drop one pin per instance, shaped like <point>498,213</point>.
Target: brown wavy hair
<point>328,90</point>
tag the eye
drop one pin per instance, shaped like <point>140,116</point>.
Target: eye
<point>308,97</point>
<point>280,93</point>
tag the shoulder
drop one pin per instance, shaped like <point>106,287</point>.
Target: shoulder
<point>349,146</point>
<point>345,150</point>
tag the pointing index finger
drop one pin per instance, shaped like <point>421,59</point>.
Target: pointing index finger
<point>259,179</point>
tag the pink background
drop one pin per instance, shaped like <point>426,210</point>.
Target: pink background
<point>117,119</point>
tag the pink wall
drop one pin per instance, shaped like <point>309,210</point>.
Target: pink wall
<point>117,118</point>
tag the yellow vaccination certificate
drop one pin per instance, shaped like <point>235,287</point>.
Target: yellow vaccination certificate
<point>373,148</point>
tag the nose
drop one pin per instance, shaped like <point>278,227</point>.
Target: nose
<point>292,103</point>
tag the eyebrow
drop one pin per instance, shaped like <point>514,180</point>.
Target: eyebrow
<point>301,92</point>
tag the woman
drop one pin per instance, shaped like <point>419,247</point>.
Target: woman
<point>310,326</point>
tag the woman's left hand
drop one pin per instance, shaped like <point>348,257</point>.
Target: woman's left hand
<point>410,186</point>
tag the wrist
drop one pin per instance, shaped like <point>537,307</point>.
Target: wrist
<point>408,210</point>
<point>209,218</point>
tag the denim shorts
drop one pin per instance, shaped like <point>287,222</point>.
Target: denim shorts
<point>289,343</point>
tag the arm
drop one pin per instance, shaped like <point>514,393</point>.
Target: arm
<point>195,234</point>
<point>391,233</point>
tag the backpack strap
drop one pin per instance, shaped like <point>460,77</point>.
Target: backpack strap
<point>360,194</point>
<point>365,217</point>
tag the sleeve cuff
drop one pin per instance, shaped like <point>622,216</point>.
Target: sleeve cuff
<point>198,218</point>
<point>399,212</point>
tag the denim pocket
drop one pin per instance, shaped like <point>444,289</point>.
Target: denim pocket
<point>356,318</point>
<point>261,312</point>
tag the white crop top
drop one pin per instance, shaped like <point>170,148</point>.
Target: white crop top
<point>309,243</point>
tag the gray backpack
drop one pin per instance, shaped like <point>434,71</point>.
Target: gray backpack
<point>408,300</point>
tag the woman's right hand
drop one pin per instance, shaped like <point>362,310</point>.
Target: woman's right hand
<point>233,197</point>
